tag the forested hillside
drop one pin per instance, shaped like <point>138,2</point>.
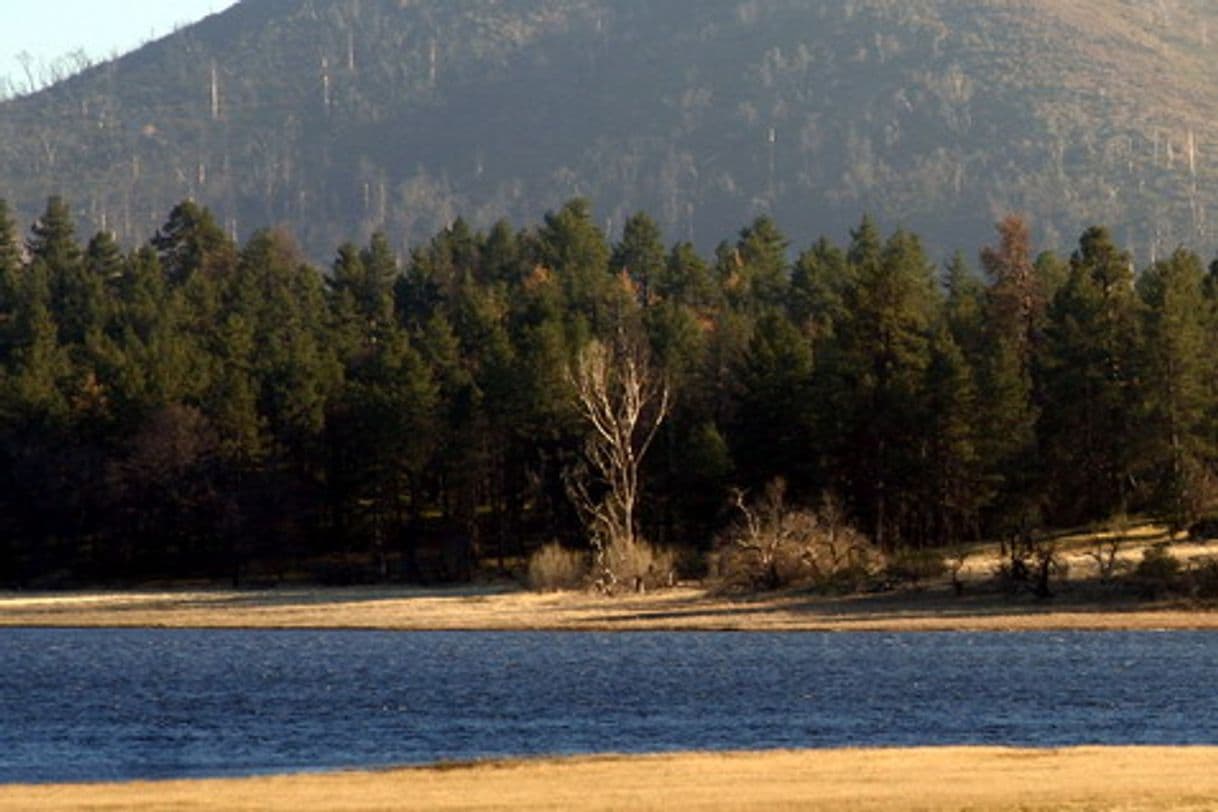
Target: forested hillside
<point>201,408</point>
<point>345,117</point>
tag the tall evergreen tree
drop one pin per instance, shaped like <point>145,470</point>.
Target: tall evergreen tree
<point>818,288</point>
<point>435,272</point>
<point>502,261</point>
<point>755,271</point>
<point>881,367</point>
<point>1017,301</point>
<point>570,246</point>
<point>53,238</point>
<point>10,249</point>
<point>191,241</point>
<point>640,255</point>
<point>1177,385</point>
<point>965,307</point>
<point>686,279</point>
<point>772,433</point>
<point>10,270</point>
<point>956,486</point>
<point>382,438</point>
<point>381,274</point>
<point>1088,423</point>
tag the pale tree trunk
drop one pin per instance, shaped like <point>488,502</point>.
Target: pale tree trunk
<point>623,401</point>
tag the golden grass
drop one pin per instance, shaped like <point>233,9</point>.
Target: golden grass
<point>687,608</point>
<point>940,778</point>
<point>498,610</point>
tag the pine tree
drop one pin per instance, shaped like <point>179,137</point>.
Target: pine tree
<point>880,364</point>
<point>965,308</point>
<point>570,246</point>
<point>160,359</point>
<point>10,248</point>
<point>502,262</point>
<point>866,246</point>
<point>772,435</point>
<point>763,257</point>
<point>956,485</point>
<point>818,287</point>
<point>640,255</point>
<point>1017,301</point>
<point>191,242</point>
<point>384,432</point>
<point>81,291</point>
<point>361,287</point>
<point>1088,423</point>
<point>41,368</point>
<point>10,271</point>
<point>1008,443</point>
<point>104,258</point>
<point>381,274</point>
<point>284,301</point>
<point>1177,388</point>
<point>435,272</point>
<point>686,279</point>
<point>53,238</point>
<point>232,403</point>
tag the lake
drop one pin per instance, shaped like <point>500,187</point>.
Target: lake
<point>115,704</point>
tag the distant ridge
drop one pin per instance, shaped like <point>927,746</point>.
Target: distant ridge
<point>341,117</point>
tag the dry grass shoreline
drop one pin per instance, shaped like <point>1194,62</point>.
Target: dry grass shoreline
<point>933,608</point>
<point>499,609</point>
<point>883,780</point>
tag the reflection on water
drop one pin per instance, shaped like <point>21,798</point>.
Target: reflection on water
<point>122,704</point>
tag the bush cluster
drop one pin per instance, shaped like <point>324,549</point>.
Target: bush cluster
<point>772,546</point>
<point>554,568</point>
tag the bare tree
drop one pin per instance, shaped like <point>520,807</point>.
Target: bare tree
<point>624,401</point>
<point>773,545</point>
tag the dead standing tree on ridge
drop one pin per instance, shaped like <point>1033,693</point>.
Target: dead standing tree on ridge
<point>624,401</point>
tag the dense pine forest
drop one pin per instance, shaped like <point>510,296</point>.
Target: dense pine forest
<point>342,118</point>
<point>196,408</point>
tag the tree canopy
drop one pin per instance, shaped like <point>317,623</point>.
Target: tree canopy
<point>194,407</point>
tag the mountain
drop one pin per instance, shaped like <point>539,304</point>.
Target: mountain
<point>340,117</point>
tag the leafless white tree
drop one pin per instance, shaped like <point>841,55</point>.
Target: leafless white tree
<point>623,400</point>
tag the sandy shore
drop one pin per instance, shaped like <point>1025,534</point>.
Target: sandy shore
<point>512,610</point>
<point>940,779</point>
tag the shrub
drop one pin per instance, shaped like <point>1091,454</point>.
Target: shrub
<point>773,546</point>
<point>914,566</point>
<point>1032,566</point>
<point>692,564</point>
<point>1204,529</point>
<point>554,568</point>
<point>638,565</point>
<point>1202,578</point>
<point>1158,572</point>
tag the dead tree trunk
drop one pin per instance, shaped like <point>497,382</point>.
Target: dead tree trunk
<point>623,402</point>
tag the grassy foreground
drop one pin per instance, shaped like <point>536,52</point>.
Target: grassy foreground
<point>948,778</point>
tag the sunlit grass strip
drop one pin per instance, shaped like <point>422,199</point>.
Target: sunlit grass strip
<point>678,609</point>
<point>940,778</point>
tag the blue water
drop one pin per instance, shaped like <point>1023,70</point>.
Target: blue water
<point>122,704</point>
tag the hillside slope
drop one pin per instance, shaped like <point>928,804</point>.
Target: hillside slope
<point>339,117</point>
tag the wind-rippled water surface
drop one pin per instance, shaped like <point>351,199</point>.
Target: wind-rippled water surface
<point>121,704</point>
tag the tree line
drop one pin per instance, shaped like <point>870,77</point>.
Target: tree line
<point>198,408</point>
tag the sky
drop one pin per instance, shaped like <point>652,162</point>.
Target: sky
<point>50,29</point>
